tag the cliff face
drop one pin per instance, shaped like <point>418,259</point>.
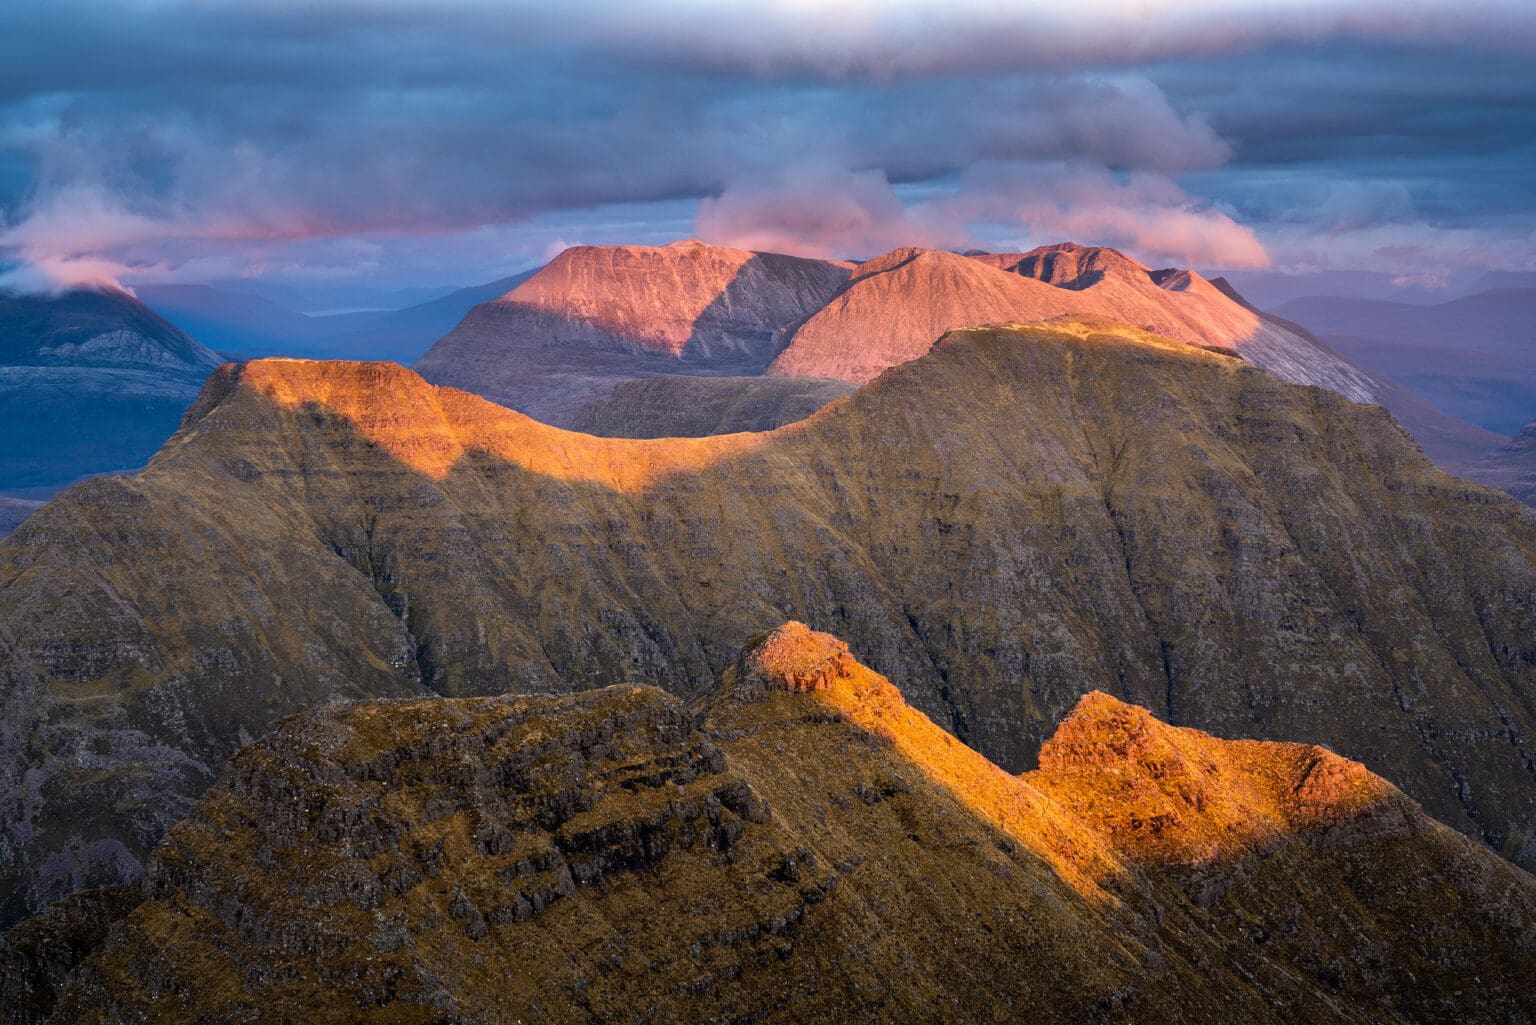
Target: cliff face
<point>813,850</point>
<point>1024,515</point>
<point>599,315</point>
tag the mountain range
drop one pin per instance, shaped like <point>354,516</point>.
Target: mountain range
<point>630,341</point>
<point>799,845</point>
<point>1473,356</point>
<point>566,346</point>
<point>558,345</point>
<point>1017,517</point>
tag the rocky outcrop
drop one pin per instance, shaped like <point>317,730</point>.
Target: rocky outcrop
<point>794,658</point>
<point>600,315</point>
<point>806,847</point>
<point>1179,797</point>
<point>1023,515</point>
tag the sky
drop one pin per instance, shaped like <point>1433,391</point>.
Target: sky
<point>394,144</point>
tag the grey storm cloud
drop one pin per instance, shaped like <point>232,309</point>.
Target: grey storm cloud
<point>149,135</point>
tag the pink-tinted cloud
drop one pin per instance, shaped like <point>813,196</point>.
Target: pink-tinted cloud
<point>1143,213</point>
<point>54,274</point>
<point>824,212</point>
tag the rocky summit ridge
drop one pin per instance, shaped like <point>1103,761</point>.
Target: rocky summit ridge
<point>799,845</point>
<point>1024,514</point>
<point>691,339</point>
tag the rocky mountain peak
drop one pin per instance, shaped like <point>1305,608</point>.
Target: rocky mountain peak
<point>794,658</point>
<point>1070,265</point>
<point>568,859</point>
<point>1173,794</point>
<point>599,315</point>
<point>98,329</point>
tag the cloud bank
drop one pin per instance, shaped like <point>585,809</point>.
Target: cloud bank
<point>190,140</point>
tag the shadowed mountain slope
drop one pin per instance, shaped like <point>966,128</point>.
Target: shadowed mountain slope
<point>681,406</point>
<point>598,315</point>
<point>90,382</point>
<point>815,850</point>
<point>1022,515</point>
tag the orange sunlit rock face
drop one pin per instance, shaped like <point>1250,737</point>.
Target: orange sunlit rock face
<point>818,666</point>
<point>1171,795</point>
<point>1115,786</point>
<point>432,429</point>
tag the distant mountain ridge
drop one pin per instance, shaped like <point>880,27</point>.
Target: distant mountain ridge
<point>563,345</point>
<point>1474,356</point>
<point>597,316</point>
<point>1511,467</point>
<point>90,382</point>
<point>90,328</point>
<point>244,325</point>
<point>894,307</point>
